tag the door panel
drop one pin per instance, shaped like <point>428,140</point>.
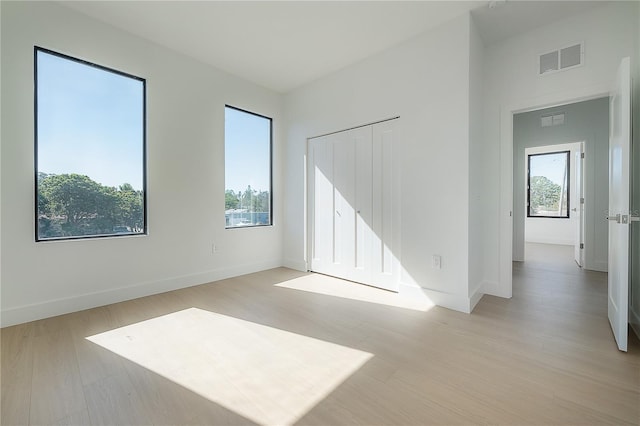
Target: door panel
<point>386,273</point>
<point>364,214</point>
<point>321,169</point>
<point>619,192</point>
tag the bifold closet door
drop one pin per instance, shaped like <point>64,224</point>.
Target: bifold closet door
<point>386,265</point>
<point>350,186</point>
<point>340,175</point>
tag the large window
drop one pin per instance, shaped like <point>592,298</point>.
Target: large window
<point>548,185</point>
<point>247,158</point>
<point>89,149</point>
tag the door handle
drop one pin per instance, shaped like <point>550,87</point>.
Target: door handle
<point>616,218</point>
<point>574,209</point>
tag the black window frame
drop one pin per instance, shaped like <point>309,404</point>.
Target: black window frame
<point>568,155</point>
<point>36,50</point>
<point>270,166</point>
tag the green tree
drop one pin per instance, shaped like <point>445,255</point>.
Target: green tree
<point>248,199</point>
<point>231,200</point>
<point>129,207</point>
<point>76,197</point>
<point>43,202</point>
<point>263,201</point>
<point>73,204</point>
<point>545,194</point>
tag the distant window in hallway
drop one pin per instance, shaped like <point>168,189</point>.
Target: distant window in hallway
<point>548,185</point>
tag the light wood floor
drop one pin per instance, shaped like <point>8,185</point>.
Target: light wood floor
<point>547,356</point>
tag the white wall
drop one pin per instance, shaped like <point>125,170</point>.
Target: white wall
<point>477,201</point>
<point>610,33</point>
<point>425,81</point>
<point>185,144</point>
<point>552,230</point>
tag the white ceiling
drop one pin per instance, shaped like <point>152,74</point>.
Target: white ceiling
<point>508,18</point>
<point>282,45</point>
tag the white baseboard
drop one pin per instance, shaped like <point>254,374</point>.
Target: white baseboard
<point>50,308</point>
<point>597,266</point>
<point>298,265</point>
<point>476,294</point>
<point>446,300</point>
<point>492,288</point>
<point>550,241</point>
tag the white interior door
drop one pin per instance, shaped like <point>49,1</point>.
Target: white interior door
<point>578,210</point>
<point>619,194</point>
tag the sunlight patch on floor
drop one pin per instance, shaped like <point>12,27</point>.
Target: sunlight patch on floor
<point>330,286</point>
<point>265,374</point>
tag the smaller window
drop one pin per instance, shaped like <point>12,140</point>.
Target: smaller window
<point>548,185</point>
<point>247,162</point>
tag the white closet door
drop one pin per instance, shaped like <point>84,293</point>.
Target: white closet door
<point>321,203</point>
<point>363,237</point>
<point>344,203</point>
<point>385,272</point>
<point>351,206</point>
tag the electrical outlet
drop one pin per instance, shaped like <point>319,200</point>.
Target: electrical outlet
<point>214,248</point>
<point>436,262</point>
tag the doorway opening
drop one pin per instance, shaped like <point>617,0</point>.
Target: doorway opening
<point>560,174</point>
<point>554,211</point>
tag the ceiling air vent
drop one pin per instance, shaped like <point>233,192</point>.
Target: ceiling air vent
<point>561,59</point>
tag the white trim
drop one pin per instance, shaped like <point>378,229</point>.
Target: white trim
<point>599,266</point>
<point>298,265</point>
<point>50,308</point>
<point>455,302</point>
<point>505,237</point>
<point>476,295</point>
<point>446,300</point>
<point>552,241</point>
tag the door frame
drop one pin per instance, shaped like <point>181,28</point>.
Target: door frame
<point>579,194</point>
<point>504,286</point>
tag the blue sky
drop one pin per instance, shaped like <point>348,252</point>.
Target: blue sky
<point>247,151</point>
<point>90,122</point>
<point>550,165</point>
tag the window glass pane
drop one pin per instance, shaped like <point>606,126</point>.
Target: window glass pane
<point>247,169</point>
<point>90,148</point>
<point>549,185</point>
